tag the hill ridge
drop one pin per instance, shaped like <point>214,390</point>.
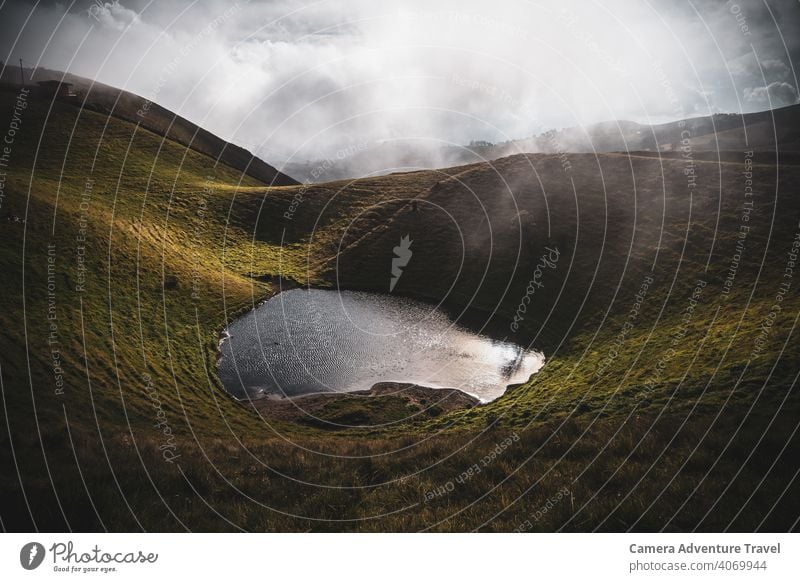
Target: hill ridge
<point>133,108</point>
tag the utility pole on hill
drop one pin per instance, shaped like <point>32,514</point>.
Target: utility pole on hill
<point>21,73</point>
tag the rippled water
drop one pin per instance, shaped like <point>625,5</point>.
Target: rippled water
<point>306,341</point>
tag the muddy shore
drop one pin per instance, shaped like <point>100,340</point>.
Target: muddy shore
<point>385,403</point>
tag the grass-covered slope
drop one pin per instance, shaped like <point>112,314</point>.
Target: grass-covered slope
<point>130,107</point>
<point>647,281</point>
<point>135,251</point>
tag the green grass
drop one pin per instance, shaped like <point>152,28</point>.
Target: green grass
<point>176,246</point>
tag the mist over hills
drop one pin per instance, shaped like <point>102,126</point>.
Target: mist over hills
<point>762,131</point>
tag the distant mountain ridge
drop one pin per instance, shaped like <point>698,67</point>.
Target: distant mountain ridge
<point>765,131</point>
<point>761,131</point>
<point>149,115</point>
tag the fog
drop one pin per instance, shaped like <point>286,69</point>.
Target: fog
<point>297,81</point>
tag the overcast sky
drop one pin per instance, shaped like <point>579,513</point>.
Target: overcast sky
<point>286,78</point>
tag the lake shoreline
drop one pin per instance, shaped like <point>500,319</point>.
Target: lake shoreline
<point>283,283</point>
<point>385,403</point>
<point>276,403</point>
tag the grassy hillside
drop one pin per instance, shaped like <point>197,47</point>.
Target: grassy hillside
<point>128,106</point>
<point>613,223</point>
<point>135,251</point>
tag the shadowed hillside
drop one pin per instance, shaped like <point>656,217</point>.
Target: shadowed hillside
<point>578,248</point>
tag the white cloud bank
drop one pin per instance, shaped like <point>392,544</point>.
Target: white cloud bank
<point>286,78</point>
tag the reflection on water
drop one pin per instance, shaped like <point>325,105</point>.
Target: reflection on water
<point>303,341</point>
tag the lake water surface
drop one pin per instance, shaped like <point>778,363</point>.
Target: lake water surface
<point>307,341</point>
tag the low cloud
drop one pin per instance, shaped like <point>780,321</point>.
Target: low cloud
<point>776,94</point>
<point>775,69</point>
<point>113,15</point>
<point>292,80</point>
